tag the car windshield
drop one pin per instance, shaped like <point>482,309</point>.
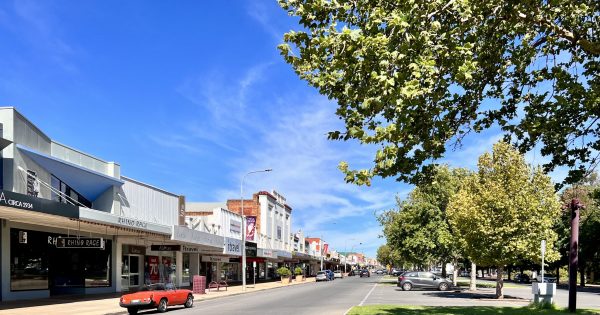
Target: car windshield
<point>321,273</point>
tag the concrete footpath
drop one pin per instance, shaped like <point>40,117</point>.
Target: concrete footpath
<point>109,304</point>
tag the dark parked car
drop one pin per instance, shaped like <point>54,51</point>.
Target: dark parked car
<point>522,278</point>
<point>421,279</point>
<point>365,273</point>
<point>354,272</point>
<point>397,272</point>
<point>330,274</point>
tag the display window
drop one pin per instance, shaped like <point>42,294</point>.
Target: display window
<point>36,263</point>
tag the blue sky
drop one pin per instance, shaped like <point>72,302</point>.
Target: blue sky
<point>189,96</point>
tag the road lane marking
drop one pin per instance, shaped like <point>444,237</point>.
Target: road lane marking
<point>366,297</point>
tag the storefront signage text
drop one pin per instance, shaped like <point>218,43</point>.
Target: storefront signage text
<point>80,242</point>
<point>184,234</point>
<point>221,259</point>
<point>15,203</point>
<point>165,248</point>
<point>132,222</point>
<point>188,249</point>
<point>232,246</point>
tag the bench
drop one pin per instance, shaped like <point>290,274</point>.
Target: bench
<point>218,285</point>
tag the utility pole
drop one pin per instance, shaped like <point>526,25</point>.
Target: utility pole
<point>573,254</point>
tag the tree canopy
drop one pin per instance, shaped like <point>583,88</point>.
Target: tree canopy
<point>418,230</point>
<point>505,210</point>
<point>416,76</point>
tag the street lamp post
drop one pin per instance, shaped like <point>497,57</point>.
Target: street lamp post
<point>345,252</point>
<point>322,243</point>
<point>244,226</point>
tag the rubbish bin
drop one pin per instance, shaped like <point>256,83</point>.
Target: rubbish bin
<point>543,292</point>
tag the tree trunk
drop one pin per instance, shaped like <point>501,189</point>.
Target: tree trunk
<point>473,284</point>
<point>557,275</point>
<point>499,283</point>
<point>455,273</point>
<point>581,274</point>
<point>443,269</point>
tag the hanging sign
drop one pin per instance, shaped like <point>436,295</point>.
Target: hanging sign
<point>165,248</point>
<point>250,227</point>
<point>80,242</point>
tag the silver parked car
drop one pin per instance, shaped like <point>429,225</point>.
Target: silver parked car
<point>322,276</point>
<point>414,279</point>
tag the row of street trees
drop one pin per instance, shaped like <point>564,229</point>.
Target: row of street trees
<point>495,217</point>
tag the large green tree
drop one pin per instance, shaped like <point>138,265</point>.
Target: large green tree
<point>386,256</point>
<point>505,210</point>
<point>418,230</point>
<point>416,76</point>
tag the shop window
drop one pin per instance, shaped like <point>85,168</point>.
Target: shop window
<point>66,190</point>
<point>28,260</point>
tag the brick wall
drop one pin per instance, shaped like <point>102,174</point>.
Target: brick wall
<point>251,207</point>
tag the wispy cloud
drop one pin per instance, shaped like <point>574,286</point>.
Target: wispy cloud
<point>262,14</point>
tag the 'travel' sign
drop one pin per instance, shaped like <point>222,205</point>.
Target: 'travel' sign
<point>80,242</point>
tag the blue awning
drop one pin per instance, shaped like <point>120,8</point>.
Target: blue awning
<point>85,181</point>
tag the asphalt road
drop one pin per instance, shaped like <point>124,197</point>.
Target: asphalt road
<point>337,297</point>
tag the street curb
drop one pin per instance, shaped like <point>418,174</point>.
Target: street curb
<point>208,298</point>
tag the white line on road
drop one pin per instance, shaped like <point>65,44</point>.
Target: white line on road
<point>366,297</point>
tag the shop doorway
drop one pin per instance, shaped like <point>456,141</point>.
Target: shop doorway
<point>131,271</point>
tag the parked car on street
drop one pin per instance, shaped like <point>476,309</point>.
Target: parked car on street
<point>322,276</point>
<point>379,271</point>
<point>548,279</point>
<point>365,273</point>
<point>158,296</point>
<point>330,274</point>
<point>354,272</point>
<point>420,279</point>
<point>397,272</point>
<point>521,278</point>
<point>338,274</point>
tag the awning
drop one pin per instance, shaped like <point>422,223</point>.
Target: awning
<point>87,182</point>
<point>4,143</point>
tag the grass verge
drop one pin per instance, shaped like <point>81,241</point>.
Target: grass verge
<point>458,310</point>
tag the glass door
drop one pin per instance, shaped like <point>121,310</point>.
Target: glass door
<point>130,272</point>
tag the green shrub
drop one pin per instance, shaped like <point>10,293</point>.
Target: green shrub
<point>284,272</point>
<point>298,271</point>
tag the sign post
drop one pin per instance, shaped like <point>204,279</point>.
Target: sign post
<point>543,252</point>
<point>254,273</point>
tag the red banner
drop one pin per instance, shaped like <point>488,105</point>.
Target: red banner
<point>153,268</point>
<point>325,248</point>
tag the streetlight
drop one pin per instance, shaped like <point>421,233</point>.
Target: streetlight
<point>352,249</point>
<point>345,252</point>
<point>244,226</point>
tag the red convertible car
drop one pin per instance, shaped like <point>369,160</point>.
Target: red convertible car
<point>158,296</point>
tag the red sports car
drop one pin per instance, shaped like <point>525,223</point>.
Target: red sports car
<point>157,296</point>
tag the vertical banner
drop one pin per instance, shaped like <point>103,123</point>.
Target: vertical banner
<point>181,208</point>
<point>152,268</point>
<point>250,228</point>
<point>325,248</point>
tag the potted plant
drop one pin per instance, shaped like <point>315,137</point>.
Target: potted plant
<point>298,273</point>
<point>285,274</point>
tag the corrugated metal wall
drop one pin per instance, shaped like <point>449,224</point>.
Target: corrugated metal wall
<point>148,203</point>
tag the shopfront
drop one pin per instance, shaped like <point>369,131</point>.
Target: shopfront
<point>266,268</point>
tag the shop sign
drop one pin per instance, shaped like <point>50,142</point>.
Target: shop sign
<point>165,248</point>
<point>250,228</point>
<point>104,217</point>
<point>80,242</point>
<point>267,253</point>
<point>184,234</point>
<point>136,250</point>
<point>232,246</point>
<point>251,249</point>
<point>20,201</point>
<point>220,259</point>
<point>188,249</point>
<point>235,226</point>
<point>284,254</point>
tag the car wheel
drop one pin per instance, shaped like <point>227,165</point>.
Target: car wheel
<point>407,286</point>
<point>443,286</point>
<point>132,310</point>
<point>162,306</point>
<point>189,302</point>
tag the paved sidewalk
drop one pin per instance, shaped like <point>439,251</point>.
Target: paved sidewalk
<point>109,304</point>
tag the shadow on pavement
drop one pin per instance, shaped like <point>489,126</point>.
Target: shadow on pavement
<point>6,305</point>
<point>460,310</point>
<point>457,294</point>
